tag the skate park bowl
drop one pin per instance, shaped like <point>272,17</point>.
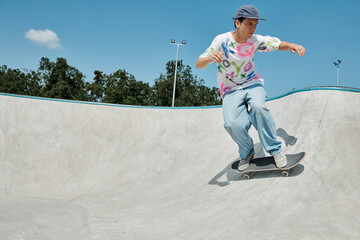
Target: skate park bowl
<point>77,170</point>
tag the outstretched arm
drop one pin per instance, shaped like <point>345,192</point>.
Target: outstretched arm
<point>285,46</point>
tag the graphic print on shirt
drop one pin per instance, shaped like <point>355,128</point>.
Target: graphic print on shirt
<point>226,49</point>
<point>245,50</point>
<point>237,68</point>
<point>248,66</point>
<point>271,44</point>
<point>209,51</point>
<point>262,46</point>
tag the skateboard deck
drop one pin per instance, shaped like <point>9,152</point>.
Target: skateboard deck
<point>268,164</point>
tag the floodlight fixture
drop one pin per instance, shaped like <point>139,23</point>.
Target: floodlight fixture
<point>337,71</point>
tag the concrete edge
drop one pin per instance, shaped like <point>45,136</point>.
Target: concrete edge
<point>345,89</point>
<point>331,88</point>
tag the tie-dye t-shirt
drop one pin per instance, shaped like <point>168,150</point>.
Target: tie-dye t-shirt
<point>237,68</point>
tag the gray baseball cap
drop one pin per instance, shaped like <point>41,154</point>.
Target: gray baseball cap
<point>248,11</point>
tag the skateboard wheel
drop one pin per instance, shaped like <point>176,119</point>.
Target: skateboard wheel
<point>285,173</point>
<point>247,176</point>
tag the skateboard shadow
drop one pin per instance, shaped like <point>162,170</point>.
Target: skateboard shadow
<point>231,175</point>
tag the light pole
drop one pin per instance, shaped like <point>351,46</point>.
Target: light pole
<point>337,74</point>
<point>177,54</point>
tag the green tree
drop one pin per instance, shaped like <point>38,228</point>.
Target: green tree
<point>189,90</point>
<point>122,88</point>
<point>62,80</point>
<point>162,91</point>
<point>34,83</point>
<point>18,82</point>
<point>12,80</point>
<point>96,89</point>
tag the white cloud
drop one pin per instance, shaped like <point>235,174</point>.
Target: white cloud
<point>44,38</point>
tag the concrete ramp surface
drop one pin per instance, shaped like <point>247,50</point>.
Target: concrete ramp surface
<point>71,170</point>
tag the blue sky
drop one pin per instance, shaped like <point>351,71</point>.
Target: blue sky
<point>135,35</point>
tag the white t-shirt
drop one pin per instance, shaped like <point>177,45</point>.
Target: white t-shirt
<point>237,68</point>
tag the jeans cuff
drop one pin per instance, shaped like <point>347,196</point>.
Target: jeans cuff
<point>274,152</point>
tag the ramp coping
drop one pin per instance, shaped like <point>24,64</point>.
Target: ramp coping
<point>345,89</point>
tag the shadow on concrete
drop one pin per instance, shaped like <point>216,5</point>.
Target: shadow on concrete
<point>289,140</point>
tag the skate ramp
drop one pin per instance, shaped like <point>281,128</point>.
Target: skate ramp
<point>75,170</point>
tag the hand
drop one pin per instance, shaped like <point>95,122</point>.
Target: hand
<point>297,48</point>
<point>216,56</point>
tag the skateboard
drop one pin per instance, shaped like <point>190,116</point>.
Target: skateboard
<point>264,164</point>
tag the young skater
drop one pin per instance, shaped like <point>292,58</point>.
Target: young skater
<point>241,86</point>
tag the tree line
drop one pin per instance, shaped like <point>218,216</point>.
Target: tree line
<point>60,80</point>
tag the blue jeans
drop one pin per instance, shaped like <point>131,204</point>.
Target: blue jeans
<point>238,120</point>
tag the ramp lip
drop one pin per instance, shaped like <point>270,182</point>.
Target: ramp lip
<point>332,88</point>
<point>103,104</point>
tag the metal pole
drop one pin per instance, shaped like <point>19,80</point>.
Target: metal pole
<point>177,54</point>
<point>337,71</point>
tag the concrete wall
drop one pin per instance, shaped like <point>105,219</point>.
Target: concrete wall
<point>81,171</point>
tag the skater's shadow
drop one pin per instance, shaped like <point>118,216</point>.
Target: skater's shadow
<point>289,140</point>
<point>230,175</point>
<point>280,132</point>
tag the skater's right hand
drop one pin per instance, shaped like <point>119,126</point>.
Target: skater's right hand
<point>216,56</point>
<point>203,62</point>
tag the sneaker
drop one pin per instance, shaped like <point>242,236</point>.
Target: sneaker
<point>244,163</point>
<point>280,160</point>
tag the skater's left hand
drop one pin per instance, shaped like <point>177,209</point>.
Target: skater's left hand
<point>297,48</point>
